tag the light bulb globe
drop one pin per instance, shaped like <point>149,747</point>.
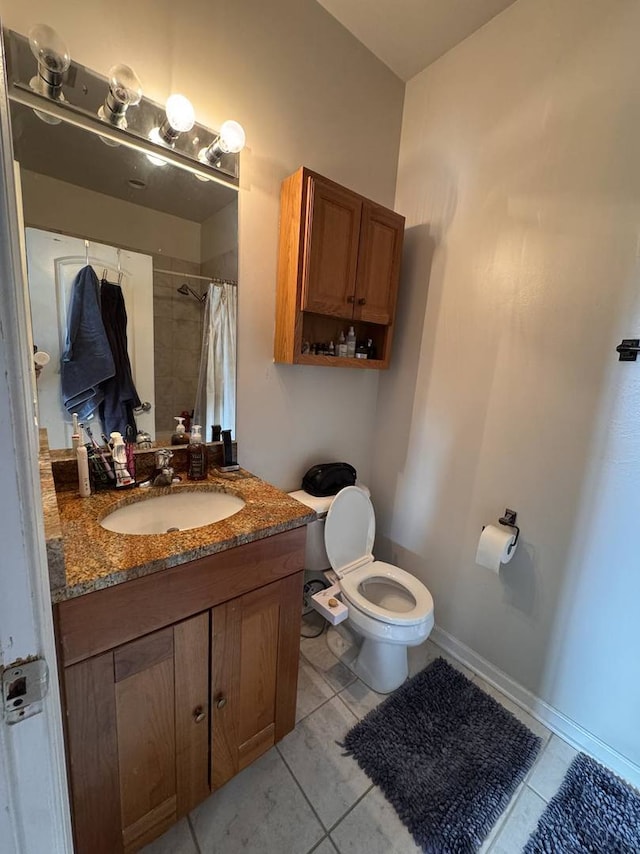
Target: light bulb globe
<point>232,137</point>
<point>180,113</point>
<point>49,49</point>
<point>124,85</point>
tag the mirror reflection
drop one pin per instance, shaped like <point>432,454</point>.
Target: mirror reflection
<point>158,246</point>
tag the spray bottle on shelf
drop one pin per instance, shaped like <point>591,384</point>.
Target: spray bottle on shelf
<point>351,343</point>
<point>196,455</point>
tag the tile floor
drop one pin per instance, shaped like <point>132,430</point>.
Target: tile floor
<point>304,796</point>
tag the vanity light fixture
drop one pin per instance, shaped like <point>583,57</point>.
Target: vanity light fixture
<point>230,140</point>
<point>180,117</point>
<point>53,61</point>
<point>125,90</point>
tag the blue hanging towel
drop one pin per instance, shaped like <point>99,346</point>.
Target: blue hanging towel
<point>87,359</point>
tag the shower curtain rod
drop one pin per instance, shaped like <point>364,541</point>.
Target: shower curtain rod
<point>213,279</point>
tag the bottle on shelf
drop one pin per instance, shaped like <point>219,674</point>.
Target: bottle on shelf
<point>342,345</point>
<point>351,343</point>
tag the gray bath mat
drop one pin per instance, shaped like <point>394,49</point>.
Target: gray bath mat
<point>593,812</point>
<point>446,755</point>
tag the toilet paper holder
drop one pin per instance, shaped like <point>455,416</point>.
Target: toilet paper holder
<point>509,519</point>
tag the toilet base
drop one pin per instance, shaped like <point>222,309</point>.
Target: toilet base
<point>382,666</point>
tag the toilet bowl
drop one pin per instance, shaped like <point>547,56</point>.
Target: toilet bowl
<point>389,609</point>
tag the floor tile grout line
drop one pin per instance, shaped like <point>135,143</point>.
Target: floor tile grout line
<point>318,844</point>
<point>193,834</point>
<point>304,794</point>
<point>350,810</point>
<point>324,678</point>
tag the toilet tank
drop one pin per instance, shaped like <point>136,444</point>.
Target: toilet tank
<point>315,556</point>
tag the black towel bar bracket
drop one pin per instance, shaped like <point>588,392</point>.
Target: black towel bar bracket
<point>509,519</point>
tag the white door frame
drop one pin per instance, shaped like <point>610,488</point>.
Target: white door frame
<point>34,806</point>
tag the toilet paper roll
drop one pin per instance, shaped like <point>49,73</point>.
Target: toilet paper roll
<point>494,547</point>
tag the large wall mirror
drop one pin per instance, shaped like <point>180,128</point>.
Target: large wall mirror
<point>165,235</point>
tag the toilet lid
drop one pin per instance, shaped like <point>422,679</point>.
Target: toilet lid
<point>350,529</point>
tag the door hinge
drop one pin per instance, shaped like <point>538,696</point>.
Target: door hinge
<point>24,686</point>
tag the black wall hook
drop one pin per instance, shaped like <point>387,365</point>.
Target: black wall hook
<point>509,519</point>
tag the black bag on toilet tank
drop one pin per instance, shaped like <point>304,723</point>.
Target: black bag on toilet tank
<point>328,479</point>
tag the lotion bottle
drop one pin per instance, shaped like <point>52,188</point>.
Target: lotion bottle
<point>196,455</point>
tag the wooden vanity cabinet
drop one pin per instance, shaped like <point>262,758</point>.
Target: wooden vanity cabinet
<point>137,720</point>
<point>339,260</point>
<point>155,723</point>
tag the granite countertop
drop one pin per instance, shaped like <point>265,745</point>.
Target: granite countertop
<point>85,557</point>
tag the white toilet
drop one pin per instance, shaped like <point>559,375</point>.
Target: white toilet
<point>388,608</point>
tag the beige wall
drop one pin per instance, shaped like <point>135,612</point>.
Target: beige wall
<point>307,93</point>
<point>60,206</point>
<point>519,175</point>
<point>219,243</point>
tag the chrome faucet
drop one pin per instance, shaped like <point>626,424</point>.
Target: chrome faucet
<point>164,472</point>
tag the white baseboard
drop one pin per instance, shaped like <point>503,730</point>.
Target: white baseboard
<point>553,719</point>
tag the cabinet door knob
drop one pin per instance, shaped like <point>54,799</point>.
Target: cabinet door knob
<point>221,702</point>
<point>362,301</point>
<point>351,299</point>
<point>198,714</point>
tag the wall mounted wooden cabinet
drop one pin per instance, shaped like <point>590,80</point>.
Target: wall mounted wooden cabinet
<point>338,264</point>
<point>175,682</point>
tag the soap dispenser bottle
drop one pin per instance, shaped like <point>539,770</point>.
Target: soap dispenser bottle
<point>196,455</point>
<point>180,436</point>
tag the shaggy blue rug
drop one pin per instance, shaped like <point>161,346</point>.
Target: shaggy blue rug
<point>446,755</point>
<point>594,812</point>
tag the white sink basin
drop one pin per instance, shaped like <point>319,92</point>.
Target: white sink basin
<point>177,511</point>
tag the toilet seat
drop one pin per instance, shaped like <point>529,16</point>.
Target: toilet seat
<point>408,583</point>
<point>349,535</point>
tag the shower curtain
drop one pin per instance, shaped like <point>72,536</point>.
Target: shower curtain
<point>216,398</point>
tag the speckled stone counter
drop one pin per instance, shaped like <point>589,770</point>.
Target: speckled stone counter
<point>85,557</point>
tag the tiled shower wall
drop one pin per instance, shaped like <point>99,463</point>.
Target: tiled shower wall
<point>177,340</point>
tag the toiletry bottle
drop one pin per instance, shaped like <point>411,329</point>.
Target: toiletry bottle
<point>342,345</point>
<point>119,454</point>
<point>371,349</point>
<point>351,343</point>
<point>332,348</point>
<point>179,437</point>
<point>362,351</point>
<point>196,456</point>
<point>84,484</point>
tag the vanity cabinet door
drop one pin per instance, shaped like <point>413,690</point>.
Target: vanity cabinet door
<point>138,737</point>
<point>255,650</point>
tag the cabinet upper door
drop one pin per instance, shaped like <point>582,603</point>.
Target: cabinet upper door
<point>330,258</point>
<point>381,235</point>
